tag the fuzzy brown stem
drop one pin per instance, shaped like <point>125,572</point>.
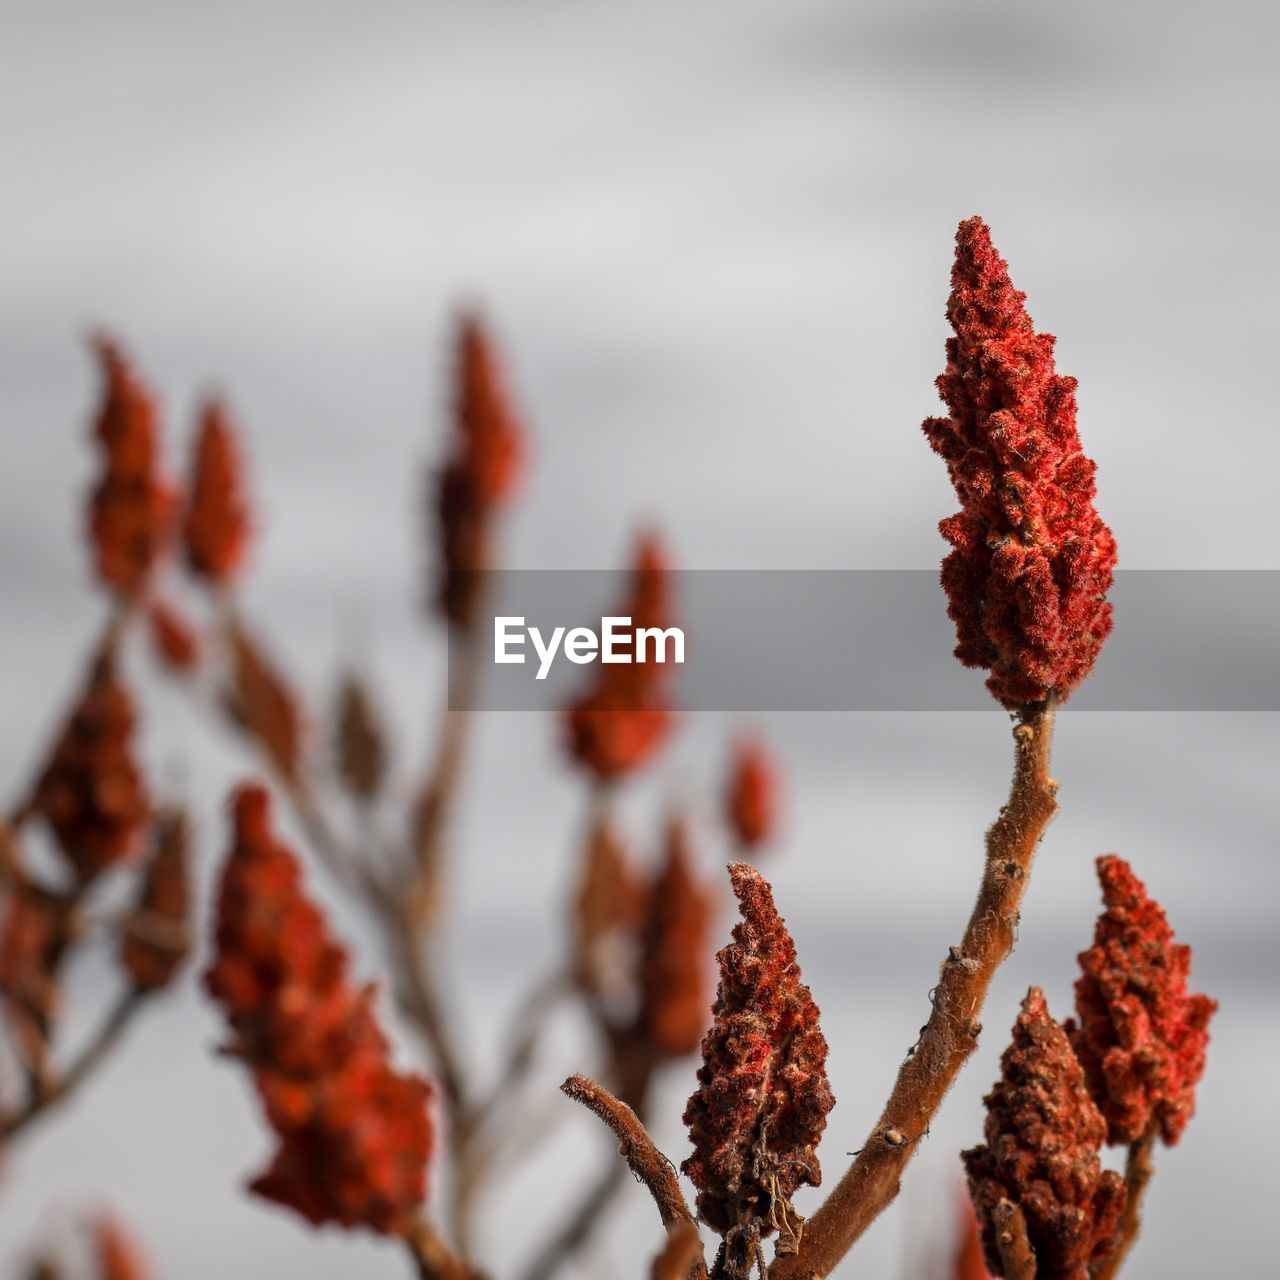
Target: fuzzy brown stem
<point>90,1058</point>
<point>1138,1171</point>
<point>1018,1260</point>
<point>645,1161</point>
<point>951,1034</point>
<point>433,1258</point>
<point>679,1254</point>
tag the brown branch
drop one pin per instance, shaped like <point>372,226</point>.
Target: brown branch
<point>951,1034</point>
<point>433,1258</point>
<point>680,1253</point>
<point>1017,1259</point>
<point>90,1058</point>
<point>1138,1171</point>
<point>645,1161</point>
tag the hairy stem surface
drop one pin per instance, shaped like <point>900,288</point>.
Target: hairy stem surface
<point>951,1034</point>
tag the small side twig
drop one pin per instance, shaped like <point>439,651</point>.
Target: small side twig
<point>951,1034</point>
<point>84,1065</point>
<point>433,1258</point>
<point>1016,1255</point>
<point>1138,1171</point>
<point>643,1158</point>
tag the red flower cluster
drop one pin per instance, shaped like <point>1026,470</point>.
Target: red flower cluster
<point>156,939</point>
<point>762,1099</point>
<point>751,798</point>
<point>617,726</point>
<point>1043,1135</point>
<point>355,1136</point>
<point>133,507</point>
<point>173,639</point>
<point>1141,1037</point>
<point>91,792</point>
<point>218,525</point>
<point>1032,562</point>
<point>675,985</point>
<point>480,474</point>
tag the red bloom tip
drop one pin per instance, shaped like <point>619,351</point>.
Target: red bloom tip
<point>157,939</point>
<point>751,798</point>
<point>763,1097</point>
<point>118,1254</point>
<point>675,936</point>
<point>481,472</point>
<point>355,1135</point>
<point>1141,1037</point>
<point>133,506</point>
<point>91,792</point>
<point>617,726</point>
<point>217,529</point>
<point>1031,562</point>
<point>174,640</point>
<point>1043,1134</point>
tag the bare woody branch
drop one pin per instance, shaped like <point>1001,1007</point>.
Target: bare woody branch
<point>637,1148</point>
<point>1016,1256</point>
<point>951,1034</point>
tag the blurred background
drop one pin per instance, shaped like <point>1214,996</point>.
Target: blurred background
<point>715,243</point>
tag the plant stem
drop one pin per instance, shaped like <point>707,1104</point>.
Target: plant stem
<point>89,1059</point>
<point>1138,1171</point>
<point>951,1034</point>
<point>1016,1255</point>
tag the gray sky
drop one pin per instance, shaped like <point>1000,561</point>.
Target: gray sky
<point>715,241</point>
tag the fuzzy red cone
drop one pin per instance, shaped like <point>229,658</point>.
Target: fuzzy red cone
<point>218,525</point>
<point>751,798</point>
<point>1032,562</point>
<point>1141,1037</point>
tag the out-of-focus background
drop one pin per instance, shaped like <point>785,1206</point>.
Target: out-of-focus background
<point>715,241</point>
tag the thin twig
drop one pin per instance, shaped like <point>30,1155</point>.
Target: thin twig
<point>1138,1171</point>
<point>84,1065</point>
<point>951,1034</point>
<point>1018,1260</point>
<point>643,1158</point>
<point>432,1257</point>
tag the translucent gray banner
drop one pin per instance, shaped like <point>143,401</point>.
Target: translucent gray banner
<point>877,640</point>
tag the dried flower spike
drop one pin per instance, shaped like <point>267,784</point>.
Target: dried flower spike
<point>157,939</point>
<point>1141,1037</point>
<point>262,703</point>
<point>355,1135</point>
<point>751,798</point>
<point>360,744</point>
<point>217,528</point>
<point>174,641</point>
<point>607,906</point>
<point>1043,1135</point>
<point>618,725</point>
<point>133,507</point>
<point>763,1097</point>
<point>675,935</point>
<point>91,792</point>
<point>1032,562</point>
<point>481,472</point>
<point>35,933</point>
